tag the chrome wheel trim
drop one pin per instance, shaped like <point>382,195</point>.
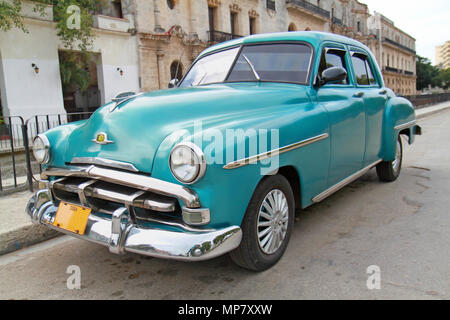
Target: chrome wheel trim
<point>398,158</point>
<point>273,220</point>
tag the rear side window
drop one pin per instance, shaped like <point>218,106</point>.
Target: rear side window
<point>333,58</point>
<point>363,71</point>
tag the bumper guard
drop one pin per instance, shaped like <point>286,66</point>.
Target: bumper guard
<point>121,235</point>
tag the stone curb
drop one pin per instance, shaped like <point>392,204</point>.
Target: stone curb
<point>431,112</point>
<point>24,237</point>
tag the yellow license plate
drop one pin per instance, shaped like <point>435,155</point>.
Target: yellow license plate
<point>72,218</point>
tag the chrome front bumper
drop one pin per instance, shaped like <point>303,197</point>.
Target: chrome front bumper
<point>121,235</point>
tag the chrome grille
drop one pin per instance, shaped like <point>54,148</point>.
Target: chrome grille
<point>96,194</point>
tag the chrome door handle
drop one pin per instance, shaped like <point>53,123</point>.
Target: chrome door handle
<point>383,92</point>
<point>358,95</point>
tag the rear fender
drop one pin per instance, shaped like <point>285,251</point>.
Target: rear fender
<point>399,119</point>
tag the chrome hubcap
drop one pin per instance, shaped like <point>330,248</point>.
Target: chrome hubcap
<point>273,219</point>
<point>398,157</point>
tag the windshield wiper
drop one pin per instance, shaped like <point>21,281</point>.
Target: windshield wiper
<point>252,67</point>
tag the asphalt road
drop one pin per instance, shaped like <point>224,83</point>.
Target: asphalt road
<point>402,227</point>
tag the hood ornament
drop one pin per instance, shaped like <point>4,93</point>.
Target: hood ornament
<point>102,139</point>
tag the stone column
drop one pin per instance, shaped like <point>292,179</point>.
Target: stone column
<point>159,57</point>
<point>156,12</point>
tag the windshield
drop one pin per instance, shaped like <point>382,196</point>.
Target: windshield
<point>268,62</point>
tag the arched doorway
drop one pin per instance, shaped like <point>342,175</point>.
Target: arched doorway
<point>292,27</point>
<point>176,70</point>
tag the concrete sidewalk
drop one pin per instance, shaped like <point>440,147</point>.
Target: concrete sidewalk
<point>17,231</point>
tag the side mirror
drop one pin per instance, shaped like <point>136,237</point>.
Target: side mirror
<point>173,83</point>
<point>333,74</point>
<point>123,96</point>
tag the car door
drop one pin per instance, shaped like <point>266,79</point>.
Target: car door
<point>346,115</point>
<point>368,83</point>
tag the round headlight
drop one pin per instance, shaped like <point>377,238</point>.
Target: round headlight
<point>187,163</point>
<point>41,149</point>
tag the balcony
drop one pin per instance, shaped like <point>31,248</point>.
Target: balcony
<point>391,69</point>
<point>219,36</point>
<point>271,5</point>
<point>398,45</point>
<point>303,4</point>
<point>337,21</point>
<point>111,23</point>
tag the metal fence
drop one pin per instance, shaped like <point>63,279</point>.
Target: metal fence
<point>424,100</point>
<point>18,169</point>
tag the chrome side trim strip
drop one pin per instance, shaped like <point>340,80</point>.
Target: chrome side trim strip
<point>276,152</point>
<point>189,197</point>
<point>406,125</point>
<point>343,183</point>
<point>105,162</point>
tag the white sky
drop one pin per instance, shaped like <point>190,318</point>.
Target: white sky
<point>427,21</point>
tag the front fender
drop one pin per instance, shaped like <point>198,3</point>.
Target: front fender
<point>398,111</point>
<point>58,138</point>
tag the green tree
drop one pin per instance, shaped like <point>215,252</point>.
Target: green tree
<point>10,15</point>
<point>426,73</point>
<point>443,78</point>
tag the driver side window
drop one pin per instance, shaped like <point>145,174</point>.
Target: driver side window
<point>333,58</point>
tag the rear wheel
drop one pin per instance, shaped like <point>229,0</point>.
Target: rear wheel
<point>267,225</point>
<point>389,171</point>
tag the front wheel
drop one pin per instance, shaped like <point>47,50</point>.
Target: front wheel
<point>267,225</point>
<point>388,171</point>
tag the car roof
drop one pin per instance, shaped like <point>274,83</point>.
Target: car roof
<point>312,37</point>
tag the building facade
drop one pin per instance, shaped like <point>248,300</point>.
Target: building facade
<point>30,64</point>
<point>443,55</point>
<point>172,31</point>
<point>140,45</point>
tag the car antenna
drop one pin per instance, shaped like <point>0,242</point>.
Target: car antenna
<point>178,64</point>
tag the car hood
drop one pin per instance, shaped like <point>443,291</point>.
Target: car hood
<point>137,127</point>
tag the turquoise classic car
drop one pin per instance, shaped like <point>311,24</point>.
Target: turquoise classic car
<point>258,128</point>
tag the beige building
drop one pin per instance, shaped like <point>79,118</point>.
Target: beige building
<point>395,52</point>
<point>139,43</point>
<point>443,55</point>
<point>169,31</point>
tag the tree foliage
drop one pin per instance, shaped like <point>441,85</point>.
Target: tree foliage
<point>10,15</point>
<point>443,79</point>
<point>427,74</point>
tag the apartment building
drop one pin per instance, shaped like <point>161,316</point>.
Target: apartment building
<point>443,55</point>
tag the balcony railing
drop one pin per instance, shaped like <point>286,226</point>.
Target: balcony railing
<point>399,45</point>
<point>309,6</point>
<point>337,21</point>
<point>409,73</point>
<point>219,36</point>
<point>391,69</point>
<point>271,5</point>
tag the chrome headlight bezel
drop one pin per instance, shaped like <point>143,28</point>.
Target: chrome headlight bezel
<point>199,162</point>
<point>46,144</point>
